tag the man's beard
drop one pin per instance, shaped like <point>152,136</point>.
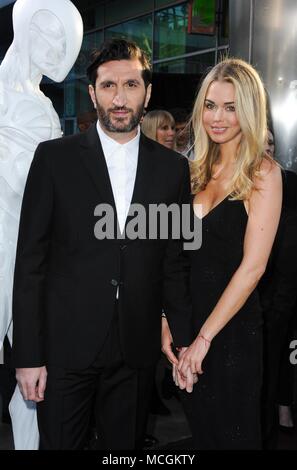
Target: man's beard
<point>119,125</point>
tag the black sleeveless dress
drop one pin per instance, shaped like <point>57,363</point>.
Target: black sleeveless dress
<point>224,408</point>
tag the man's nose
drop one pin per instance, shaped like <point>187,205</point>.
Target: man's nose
<point>120,98</point>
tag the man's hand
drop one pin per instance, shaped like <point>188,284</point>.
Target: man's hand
<point>191,360</point>
<point>32,382</point>
<point>180,381</point>
<point>186,381</point>
<point>167,342</point>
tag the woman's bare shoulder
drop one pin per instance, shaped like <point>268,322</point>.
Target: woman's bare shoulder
<point>268,183</point>
<point>269,169</point>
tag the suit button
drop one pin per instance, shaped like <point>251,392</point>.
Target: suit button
<point>114,283</point>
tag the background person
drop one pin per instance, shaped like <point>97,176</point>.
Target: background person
<point>184,137</point>
<point>159,125</point>
<point>278,293</point>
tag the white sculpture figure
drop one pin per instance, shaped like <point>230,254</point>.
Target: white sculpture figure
<point>47,40</point>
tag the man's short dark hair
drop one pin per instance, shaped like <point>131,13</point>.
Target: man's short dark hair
<point>119,49</point>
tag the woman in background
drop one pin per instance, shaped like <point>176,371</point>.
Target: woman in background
<point>159,125</point>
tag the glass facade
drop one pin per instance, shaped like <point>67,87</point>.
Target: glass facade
<point>171,34</point>
<point>139,30</point>
<point>117,12</point>
<point>161,28</point>
<point>90,43</point>
<point>4,3</point>
<point>93,17</point>
<point>196,64</point>
<point>223,23</point>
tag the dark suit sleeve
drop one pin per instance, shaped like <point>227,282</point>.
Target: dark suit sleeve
<point>176,295</point>
<point>31,264</point>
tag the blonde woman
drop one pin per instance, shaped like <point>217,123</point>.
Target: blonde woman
<point>237,191</point>
<point>159,125</point>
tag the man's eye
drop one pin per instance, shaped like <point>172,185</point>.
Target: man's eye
<point>107,85</point>
<point>131,84</point>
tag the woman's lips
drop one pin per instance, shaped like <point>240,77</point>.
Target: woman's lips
<point>218,130</point>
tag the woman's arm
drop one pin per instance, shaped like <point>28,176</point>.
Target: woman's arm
<point>264,214</point>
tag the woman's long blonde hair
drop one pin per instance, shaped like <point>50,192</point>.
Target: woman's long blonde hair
<point>250,106</point>
<point>155,119</point>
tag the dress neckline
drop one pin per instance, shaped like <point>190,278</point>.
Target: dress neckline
<point>213,208</point>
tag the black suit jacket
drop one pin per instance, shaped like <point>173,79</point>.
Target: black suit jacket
<point>66,280</point>
<point>278,287</point>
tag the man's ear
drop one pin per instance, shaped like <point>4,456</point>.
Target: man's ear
<point>92,95</point>
<point>148,95</point>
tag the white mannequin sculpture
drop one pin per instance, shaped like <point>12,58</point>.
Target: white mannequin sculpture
<point>47,40</point>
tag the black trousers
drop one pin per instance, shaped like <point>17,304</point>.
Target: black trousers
<point>120,395</point>
<point>7,381</point>
<point>275,334</point>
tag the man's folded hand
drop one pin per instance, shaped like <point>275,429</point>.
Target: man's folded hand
<point>32,382</point>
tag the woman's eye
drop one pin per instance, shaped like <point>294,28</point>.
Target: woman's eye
<point>230,108</point>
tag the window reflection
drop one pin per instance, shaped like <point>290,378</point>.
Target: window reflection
<point>190,65</point>
<point>171,34</point>
<point>90,42</point>
<point>138,30</point>
<point>77,99</point>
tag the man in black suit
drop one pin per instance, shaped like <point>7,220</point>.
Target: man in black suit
<point>87,310</point>
<point>278,294</point>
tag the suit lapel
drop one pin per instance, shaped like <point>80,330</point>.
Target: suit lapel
<point>144,174</point>
<point>95,163</point>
